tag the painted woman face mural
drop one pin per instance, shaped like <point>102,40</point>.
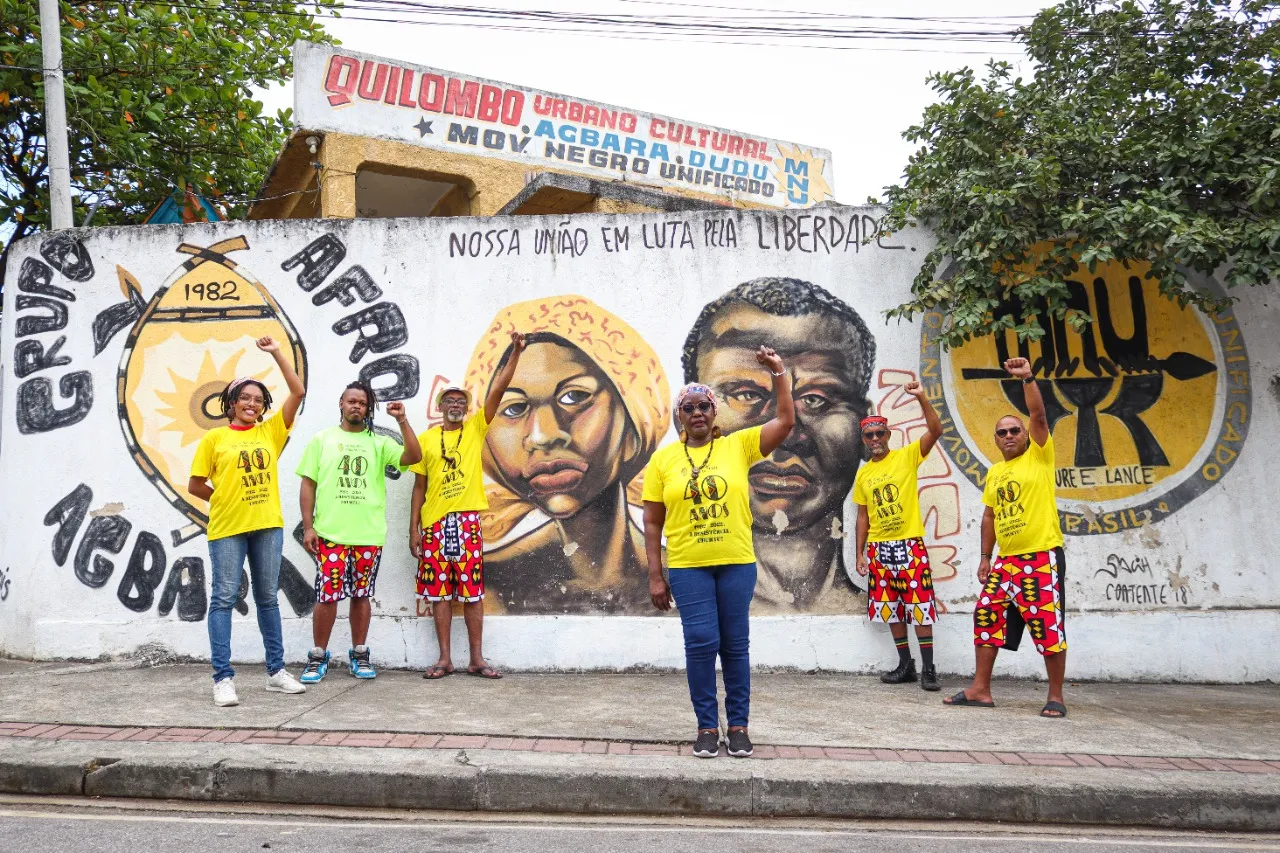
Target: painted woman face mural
<point>798,494</point>
<point>585,410</point>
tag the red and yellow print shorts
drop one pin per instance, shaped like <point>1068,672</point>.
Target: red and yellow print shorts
<point>900,588</point>
<point>345,571</point>
<point>451,567</point>
<point>1033,582</point>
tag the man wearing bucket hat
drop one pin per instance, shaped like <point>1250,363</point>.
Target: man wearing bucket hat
<point>444,517</point>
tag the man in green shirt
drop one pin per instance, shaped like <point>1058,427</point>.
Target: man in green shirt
<point>344,501</point>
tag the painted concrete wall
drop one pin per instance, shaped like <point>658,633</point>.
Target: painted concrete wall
<point>114,341</point>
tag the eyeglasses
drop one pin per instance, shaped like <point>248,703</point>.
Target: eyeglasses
<point>247,398</point>
<point>689,408</point>
<point>453,401</point>
<point>876,433</point>
<point>1003,431</point>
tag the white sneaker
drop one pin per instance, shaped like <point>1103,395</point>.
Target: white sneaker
<point>283,682</point>
<point>224,693</point>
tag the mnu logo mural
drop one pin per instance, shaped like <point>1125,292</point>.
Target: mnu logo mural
<point>1149,406</point>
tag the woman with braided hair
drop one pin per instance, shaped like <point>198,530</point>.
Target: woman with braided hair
<point>344,522</point>
<point>697,494</point>
<point>235,470</point>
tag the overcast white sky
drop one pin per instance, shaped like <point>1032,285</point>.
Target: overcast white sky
<point>854,102</point>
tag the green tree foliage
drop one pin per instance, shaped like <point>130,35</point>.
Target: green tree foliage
<point>158,96</point>
<point>1150,132</point>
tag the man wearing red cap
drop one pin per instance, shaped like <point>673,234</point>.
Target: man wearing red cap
<point>444,518</point>
<point>890,539</point>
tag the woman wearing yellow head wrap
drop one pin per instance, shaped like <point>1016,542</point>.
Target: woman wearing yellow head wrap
<point>586,408</point>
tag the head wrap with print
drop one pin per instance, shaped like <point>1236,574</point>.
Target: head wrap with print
<point>617,349</point>
<point>695,388</point>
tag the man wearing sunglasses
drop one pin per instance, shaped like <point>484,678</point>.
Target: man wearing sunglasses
<point>890,540</point>
<point>1022,516</point>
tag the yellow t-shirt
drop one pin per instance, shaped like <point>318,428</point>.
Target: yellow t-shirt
<point>1021,494</point>
<point>889,492</point>
<point>454,481</point>
<point>712,525</point>
<point>241,464</point>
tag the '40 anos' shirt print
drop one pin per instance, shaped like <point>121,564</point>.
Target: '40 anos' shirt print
<point>1021,495</point>
<point>241,463</point>
<point>890,492</point>
<point>709,525</point>
<point>454,482</point>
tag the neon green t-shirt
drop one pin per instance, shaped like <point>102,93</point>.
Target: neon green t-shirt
<point>349,470</point>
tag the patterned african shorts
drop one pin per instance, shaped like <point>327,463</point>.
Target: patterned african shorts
<point>345,571</point>
<point>1032,582</point>
<point>452,564</point>
<point>900,588</point>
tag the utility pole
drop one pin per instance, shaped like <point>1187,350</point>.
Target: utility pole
<point>55,117</point>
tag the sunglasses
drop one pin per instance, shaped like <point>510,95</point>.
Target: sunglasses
<point>876,433</point>
<point>1003,431</point>
<point>690,408</point>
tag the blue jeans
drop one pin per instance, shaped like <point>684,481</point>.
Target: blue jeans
<point>713,603</point>
<point>227,555</point>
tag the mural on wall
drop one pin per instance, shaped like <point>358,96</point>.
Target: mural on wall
<point>193,336</point>
<point>797,494</point>
<point>1149,406</point>
<point>117,345</point>
<point>565,457</point>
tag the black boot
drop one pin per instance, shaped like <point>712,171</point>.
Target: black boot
<point>906,672</point>
<point>929,678</point>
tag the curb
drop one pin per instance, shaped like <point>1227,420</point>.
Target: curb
<point>454,781</point>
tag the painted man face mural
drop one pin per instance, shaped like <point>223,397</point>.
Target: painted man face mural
<point>585,410</point>
<point>798,494</point>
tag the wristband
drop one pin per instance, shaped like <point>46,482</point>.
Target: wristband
<point>782,372</point>
<point>1027,380</point>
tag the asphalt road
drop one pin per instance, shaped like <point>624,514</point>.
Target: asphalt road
<point>37,826</point>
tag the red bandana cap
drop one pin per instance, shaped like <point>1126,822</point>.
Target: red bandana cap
<point>873,420</point>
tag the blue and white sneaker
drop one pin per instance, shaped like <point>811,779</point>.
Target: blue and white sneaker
<point>359,661</point>
<point>317,666</point>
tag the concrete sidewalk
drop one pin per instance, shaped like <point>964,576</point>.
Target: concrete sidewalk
<point>1186,756</point>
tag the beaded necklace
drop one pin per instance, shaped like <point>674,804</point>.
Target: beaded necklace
<point>456,443</point>
<point>695,470</point>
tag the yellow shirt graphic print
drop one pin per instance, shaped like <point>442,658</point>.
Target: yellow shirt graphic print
<point>1021,495</point>
<point>889,491</point>
<point>454,480</point>
<point>242,466</point>
<point>710,524</point>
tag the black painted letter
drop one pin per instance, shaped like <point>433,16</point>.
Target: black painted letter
<point>36,412</point>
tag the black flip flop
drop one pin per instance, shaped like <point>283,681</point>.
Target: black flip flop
<point>483,672</point>
<point>436,672</point>
<point>962,701</point>
<point>1053,706</point>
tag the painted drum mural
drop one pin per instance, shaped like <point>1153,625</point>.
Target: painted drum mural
<point>1132,400</point>
<point>194,333</point>
<point>116,343</point>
